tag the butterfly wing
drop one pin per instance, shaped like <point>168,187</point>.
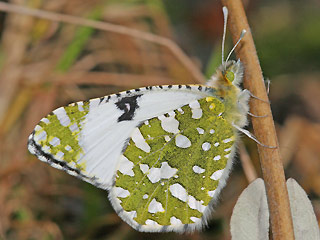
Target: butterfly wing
<point>86,138</point>
<point>173,168</point>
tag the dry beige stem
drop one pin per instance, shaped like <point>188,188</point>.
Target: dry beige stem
<point>177,52</point>
<point>272,169</point>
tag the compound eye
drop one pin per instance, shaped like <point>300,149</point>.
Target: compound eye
<point>229,76</point>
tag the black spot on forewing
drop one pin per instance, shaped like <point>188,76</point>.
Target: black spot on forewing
<point>128,105</point>
<point>101,100</point>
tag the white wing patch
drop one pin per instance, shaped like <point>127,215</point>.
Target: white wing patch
<point>155,206</point>
<point>126,166</point>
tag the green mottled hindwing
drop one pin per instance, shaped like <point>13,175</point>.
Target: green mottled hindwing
<point>174,167</point>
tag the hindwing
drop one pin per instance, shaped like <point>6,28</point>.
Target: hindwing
<point>174,167</point>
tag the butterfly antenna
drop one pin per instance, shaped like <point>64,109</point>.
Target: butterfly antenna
<point>225,19</point>
<point>243,32</point>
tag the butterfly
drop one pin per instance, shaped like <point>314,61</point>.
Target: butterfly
<point>163,152</point>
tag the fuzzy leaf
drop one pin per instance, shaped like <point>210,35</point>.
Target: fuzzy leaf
<point>304,220</point>
<point>250,217</point>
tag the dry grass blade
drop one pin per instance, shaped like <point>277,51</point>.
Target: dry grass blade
<point>272,169</point>
<point>111,28</point>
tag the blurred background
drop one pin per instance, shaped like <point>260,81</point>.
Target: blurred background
<point>46,64</point>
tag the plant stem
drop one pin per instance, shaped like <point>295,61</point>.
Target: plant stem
<point>264,130</point>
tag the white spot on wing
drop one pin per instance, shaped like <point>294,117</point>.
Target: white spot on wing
<point>62,116</point>
<point>38,128</point>
<point>180,111</point>
<point>200,130</point>
<point>164,172</point>
<point>55,141</point>
<point>155,206</point>
<point>196,113</point>
<point>74,127</point>
<point>194,104</point>
<point>145,196</point>
<point>68,148</point>
<point>120,192</point>
<point>217,174</point>
<point>175,221</point>
<point>195,204</point>
<point>150,222</point>
<point>198,169</point>
<point>211,193</point>
<point>178,192</point>
<point>39,136</point>
<point>195,219</point>
<point>46,148</point>
<point>227,149</point>
<point>45,120</point>
<point>140,142</point>
<point>169,124</point>
<point>206,146</point>
<point>132,214</point>
<point>144,168</point>
<point>182,141</point>
<point>126,166</point>
<point>227,140</point>
<point>59,155</point>
<point>196,110</point>
<point>80,106</point>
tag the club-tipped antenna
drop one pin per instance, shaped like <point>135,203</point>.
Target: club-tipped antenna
<point>243,32</point>
<point>225,19</point>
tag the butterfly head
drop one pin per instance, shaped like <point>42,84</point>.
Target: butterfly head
<point>229,73</point>
<point>232,72</point>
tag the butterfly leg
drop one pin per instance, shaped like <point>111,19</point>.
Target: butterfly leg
<point>268,82</point>
<point>247,92</point>
<point>244,97</point>
<point>250,135</point>
<point>257,116</point>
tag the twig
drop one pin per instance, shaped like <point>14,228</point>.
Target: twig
<point>272,169</point>
<point>57,17</point>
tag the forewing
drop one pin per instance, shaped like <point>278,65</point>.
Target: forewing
<point>86,139</point>
<point>174,167</point>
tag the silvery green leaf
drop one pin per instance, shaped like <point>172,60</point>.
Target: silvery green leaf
<point>250,217</point>
<point>304,220</point>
